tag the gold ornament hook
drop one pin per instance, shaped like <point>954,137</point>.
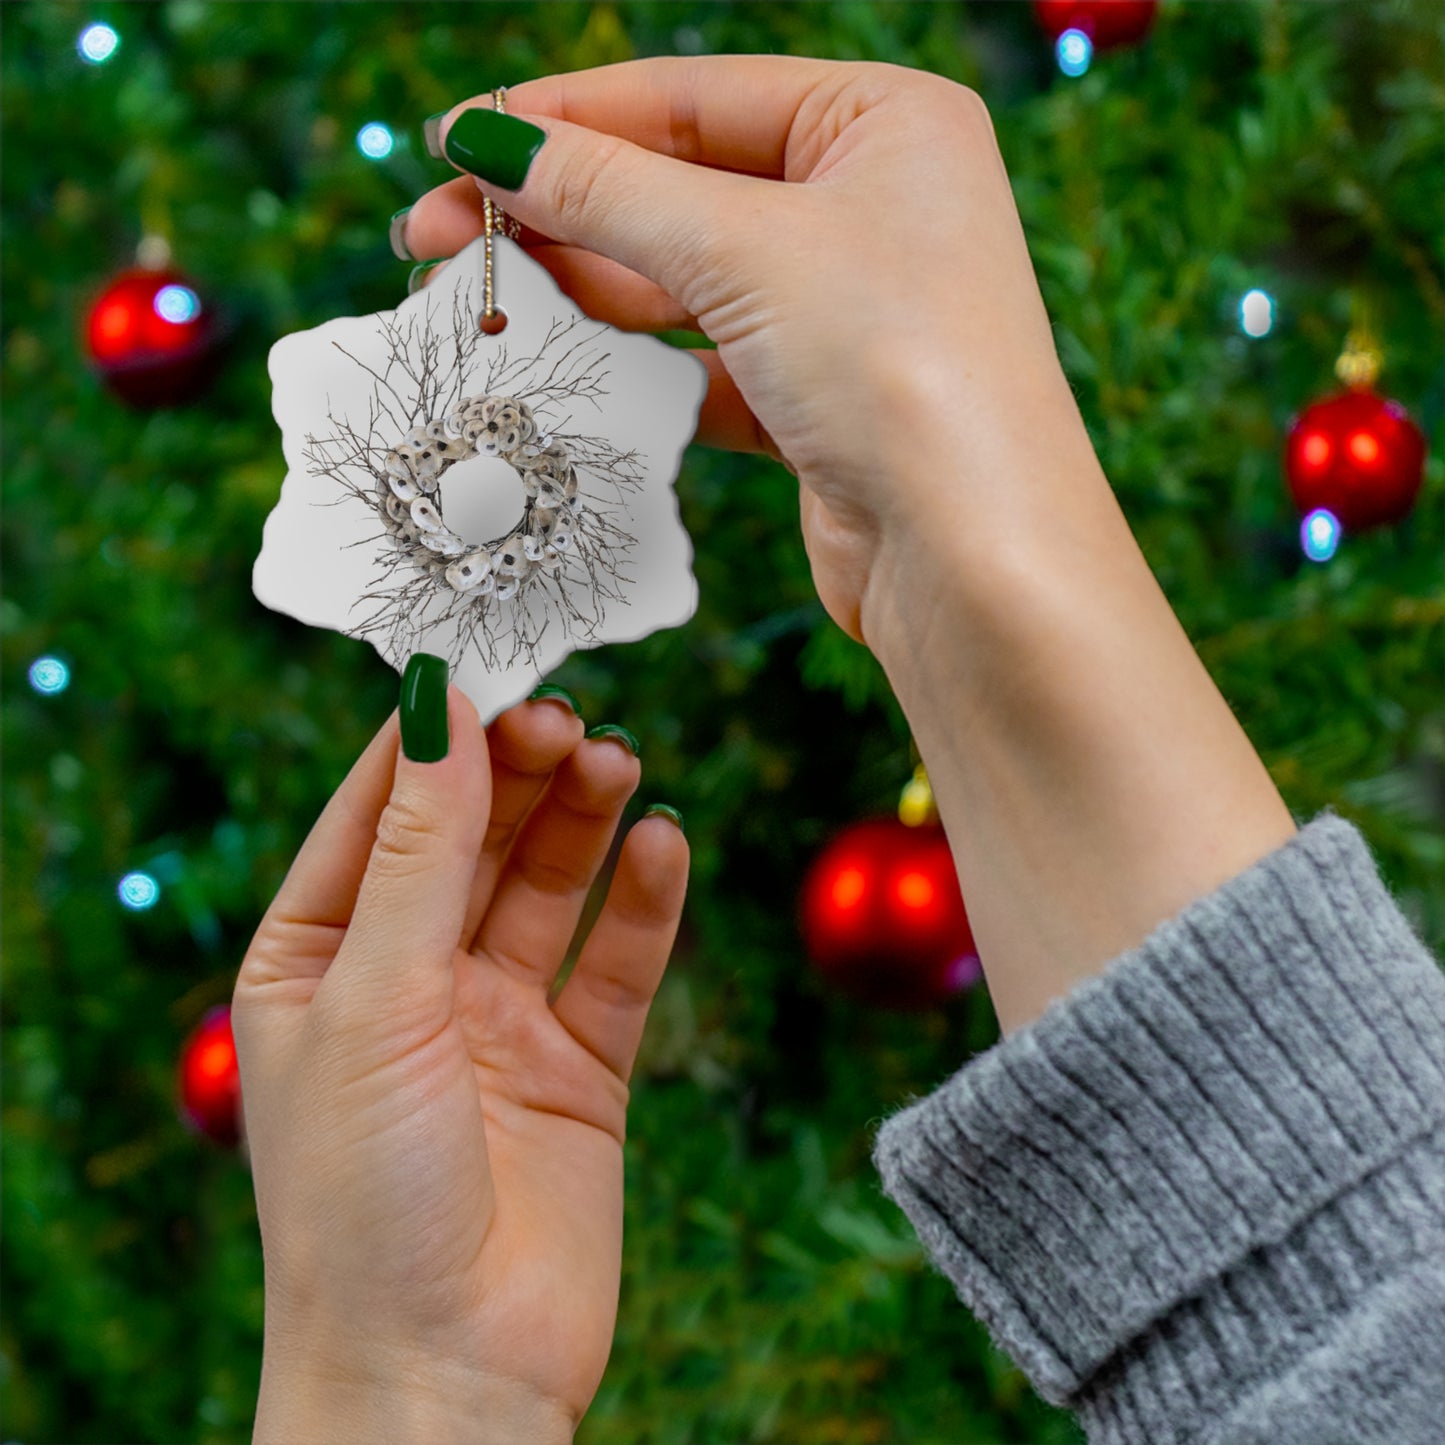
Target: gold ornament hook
<point>494,219</point>
<point>1359,363</point>
<point>915,804</point>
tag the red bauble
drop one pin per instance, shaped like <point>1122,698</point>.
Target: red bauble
<point>1107,23</point>
<point>152,338</point>
<point>883,917</point>
<point>1357,455</point>
<point>210,1081</point>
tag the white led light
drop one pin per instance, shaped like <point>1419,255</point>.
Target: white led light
<point>177,304</point>
<point>49,675</point>
<point>1319,535</point>
<point>97,43</point>
<point>375,141</point>
<point>1256,313</point>
<point>138,891</point>
<point>1074,51</point>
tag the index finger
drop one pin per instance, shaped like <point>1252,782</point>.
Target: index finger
<point>734,112</point>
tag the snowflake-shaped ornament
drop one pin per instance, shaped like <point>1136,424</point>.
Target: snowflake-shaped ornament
<point>498,500</point>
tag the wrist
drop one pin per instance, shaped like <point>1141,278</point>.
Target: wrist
<point>1092,780</point>
<point>994,501</point>
<point>400,1398</point>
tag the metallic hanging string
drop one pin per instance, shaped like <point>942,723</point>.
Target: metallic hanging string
<point>494,219</point>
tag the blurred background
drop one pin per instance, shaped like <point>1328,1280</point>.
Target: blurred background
<point>1222,199</point>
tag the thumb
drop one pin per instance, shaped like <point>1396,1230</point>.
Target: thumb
<point>413,897</point>
<point>666,219</point>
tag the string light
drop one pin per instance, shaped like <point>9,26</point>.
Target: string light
<point>375,141</point>
<point>177,304</point>
<point>1074,51</point>
<point>1319,535</point>
<point>1256,313</point>
<point>138,891</point>
<point>49,675</point>
<point>97,44</point>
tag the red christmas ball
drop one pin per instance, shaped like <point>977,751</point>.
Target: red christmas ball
<point>151,338</point>
<point>210,1080</point>
<point>1107,23</point>
<point>883,917</point>
<point>1358,456</point>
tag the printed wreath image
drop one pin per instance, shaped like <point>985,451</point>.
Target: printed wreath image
<point>557,538</point>
<point>498,426</point>
<point>483,520</point>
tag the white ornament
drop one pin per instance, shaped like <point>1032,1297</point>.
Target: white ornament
<point>399,427</point>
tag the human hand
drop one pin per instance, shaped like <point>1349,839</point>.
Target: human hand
<point>436,1149</point>
<point>878,323</point>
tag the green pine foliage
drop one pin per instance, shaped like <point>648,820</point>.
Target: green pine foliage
<point>771,1293</point>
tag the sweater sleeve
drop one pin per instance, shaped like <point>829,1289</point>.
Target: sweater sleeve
<point>1202,1198</point>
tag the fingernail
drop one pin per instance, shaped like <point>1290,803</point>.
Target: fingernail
<point>431,133</point>
<point>667,812</point>
<point>550,689</point>
<point>613,730</point>
<point>498,148</point>
<point>424,735</point>
<point>413,282</point>
<point>397,233</point>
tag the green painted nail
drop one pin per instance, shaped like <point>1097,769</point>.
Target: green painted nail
<point>396,231</point>
<point>550,689</point>
<point>424,734</point>
<point>431,133</point>
<point>667,812</point>
<point>413,282</point>
<point>498,148</point>
<point>613,730</point>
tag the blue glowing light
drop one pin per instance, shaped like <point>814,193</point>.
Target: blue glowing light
<point>97,43</point>
<point>375,141</point>
<point>1256,313</point>
<point>138,890</point>
<point>1319,535</point>
<point>49,675</point>
<point>177,304</point>
<point>1074,51</point>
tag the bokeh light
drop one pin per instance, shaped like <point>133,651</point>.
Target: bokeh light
<point>375,141</point>
<point>1319,535</point>
<point>914,889</point>
<point>178,304</point>
<point>138,891</point>
<point>1256,313</point>
<point>97,43</point>
<point>49,675</point>
<point>1364,448</point>
<point>849,887</point>
<point>1075,51</point>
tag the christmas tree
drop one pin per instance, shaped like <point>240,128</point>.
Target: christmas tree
<point>1211,210</point>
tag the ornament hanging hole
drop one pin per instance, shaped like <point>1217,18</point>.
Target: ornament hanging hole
<point>494,324</point>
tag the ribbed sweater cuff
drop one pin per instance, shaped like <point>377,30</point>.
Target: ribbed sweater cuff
<point>1212,1107</point>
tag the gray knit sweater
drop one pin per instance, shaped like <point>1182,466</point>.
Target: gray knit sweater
<point>1202,1198</point>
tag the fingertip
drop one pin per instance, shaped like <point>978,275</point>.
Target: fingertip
<point>659,843</point>
<point>536,734</point>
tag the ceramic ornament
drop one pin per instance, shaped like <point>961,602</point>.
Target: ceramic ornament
<point>501,501</point>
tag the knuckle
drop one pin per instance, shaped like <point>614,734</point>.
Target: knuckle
<point>551,876</point>
<point>617,990</point>
<point>575,196</point>
<point>973,107</point>
<point>407,835</point>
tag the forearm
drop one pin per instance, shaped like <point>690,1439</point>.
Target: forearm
<point>1091,778</point>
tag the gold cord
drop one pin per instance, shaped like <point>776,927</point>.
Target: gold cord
<point>494,219</point>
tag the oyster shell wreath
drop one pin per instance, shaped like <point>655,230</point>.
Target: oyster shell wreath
<point>562,559</point>
<point>494,426</point>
